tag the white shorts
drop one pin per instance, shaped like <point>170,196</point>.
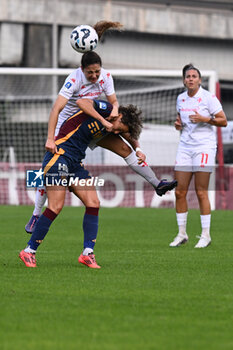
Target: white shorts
<point>192,159</point>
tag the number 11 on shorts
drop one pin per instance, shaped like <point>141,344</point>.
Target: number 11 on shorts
<point>204,159</point>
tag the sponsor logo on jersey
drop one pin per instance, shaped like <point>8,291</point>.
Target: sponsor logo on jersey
<point>83,87</point>
<point>73,80</point>
<point>189,109</point>
<point>101,82</point>
<point>97,93</point>
<point>199,99</point>
<point>68,85</point>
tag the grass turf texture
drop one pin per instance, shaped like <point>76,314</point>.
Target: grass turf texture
<point>146,295</point>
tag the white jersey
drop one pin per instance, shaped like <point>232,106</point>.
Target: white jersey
<point>76,86</point>
<point>206,104</point>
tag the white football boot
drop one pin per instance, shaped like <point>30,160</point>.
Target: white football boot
<point>203,242</point>
<point>179,239</point>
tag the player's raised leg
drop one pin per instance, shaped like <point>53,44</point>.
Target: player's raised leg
<point>115,144</point>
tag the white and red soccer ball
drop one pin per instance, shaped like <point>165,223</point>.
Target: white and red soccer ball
<point>83,38</point>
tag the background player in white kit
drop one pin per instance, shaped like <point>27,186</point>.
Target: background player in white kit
<point>88,82</point>
<point>198,111</point>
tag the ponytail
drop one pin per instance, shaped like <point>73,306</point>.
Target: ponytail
<point>102,26</point>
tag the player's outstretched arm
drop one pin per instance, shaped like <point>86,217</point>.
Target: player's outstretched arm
<point>113,100</point>
<point>58,105</point>
<point>86,105</point>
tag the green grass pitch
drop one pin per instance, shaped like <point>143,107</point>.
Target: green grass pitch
<point>146,295</point>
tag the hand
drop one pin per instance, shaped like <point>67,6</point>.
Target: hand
<point>178,123</point>
<point>51,146</point>
<point>108,126</point>
<point>197,118</point>
<point>141,157</point>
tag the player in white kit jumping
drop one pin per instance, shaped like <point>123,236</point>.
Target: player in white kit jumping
<point>89,82</point>
<point>198,112</point>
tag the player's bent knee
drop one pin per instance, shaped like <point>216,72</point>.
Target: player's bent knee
<point>95,203</point>
<point>91,202</point>
<point>56,208</point>
<point>180,194</point>
<point>202,194</point>
<point>124,151</point>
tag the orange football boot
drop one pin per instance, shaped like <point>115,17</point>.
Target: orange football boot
<point>88,260</point>
<point>29,259</point>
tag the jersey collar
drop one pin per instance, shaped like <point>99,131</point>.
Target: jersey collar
<point>198,94</point>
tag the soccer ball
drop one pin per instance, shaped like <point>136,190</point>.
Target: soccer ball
<point>84,38</point>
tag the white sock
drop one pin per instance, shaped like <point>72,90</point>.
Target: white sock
<point>142,169</point>
<point>87,251</point>
<point>181,222</point>
<point>205,225</point>
<point>41,197</point>
<point>29,250</point>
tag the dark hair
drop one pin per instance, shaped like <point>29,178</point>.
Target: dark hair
<point>90,57</point>
<point>101,27</point>
<point>189,67</point>
<point>131,116</point>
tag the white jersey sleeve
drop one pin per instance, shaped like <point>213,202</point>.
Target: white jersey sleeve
<point>108,85</point>
<point>214,104</point>
<point>70,86</point>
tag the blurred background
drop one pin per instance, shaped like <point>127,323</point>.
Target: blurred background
<point>158,35</point>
